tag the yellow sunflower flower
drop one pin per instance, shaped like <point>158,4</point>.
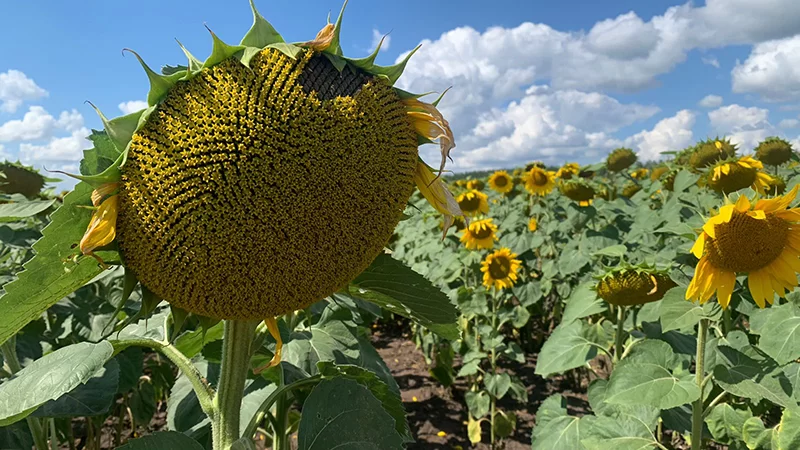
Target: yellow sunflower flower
<point>476,185</point>
<point>539,181</point>
<point>480,235</point>
<point>501,182</point>
<point>568,170</point>
<point>500,269</point>
<point>761,240</point>
<point>473,203</point>
<point>533,225</point>
<point>730,176</point>
<point>640,174</point>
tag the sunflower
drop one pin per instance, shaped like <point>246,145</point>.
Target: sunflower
<point>539,181</point>
<point>16,178</point>
<point>500,269</point>
<point>533,224</point>
<point>774,151</point>
<point>240,163</point>
<point>533,164</point>
<point>473,203</point>
<point>568,170</point>
<point>776,185</point>
<point>630,189</point>
<point>476,185</point>
<point>707,153</point>
<point>501,182</point>
<point>620,159</point>
<point>577,190</point>
<point>657,172</point>
<point>731,175</point>
<point>633,286</point>
<point>761,240</point>
<point>479,235</point>
<point>640,173</point>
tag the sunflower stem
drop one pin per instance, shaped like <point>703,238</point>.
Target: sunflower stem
<point>620,333</point>
<point>9,350</point>
<point>697,407</point>
<point>494,367</point>
<point>233,374</point>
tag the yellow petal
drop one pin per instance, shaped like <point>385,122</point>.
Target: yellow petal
<point>726,281</point>
<point>323,39</point>
<point>756,283</point>
<point>718,144</point>
<point>102,228</point>
<point>742,203</point>
<point>757,214</point>
<point>435,128</point>
<point>435,191</point>
<point>699,245</point>
<point>272,326</point>
<point>780,202</point>
<point>102,192</point>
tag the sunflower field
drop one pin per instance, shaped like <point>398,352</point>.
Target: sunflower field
<point>239,268</point>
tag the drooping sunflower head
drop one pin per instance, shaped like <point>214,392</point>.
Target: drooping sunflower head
<point>658,172</point>
<point>631,189</point>
<point>539,181</point>
<point>776,185</point>
<point>774,151</point>
<point>501,182</point>
<point>761,240</point>
<point>476,185</point>
<point>629,286</point>
<point>267,177</point>
<point>533,225</point>
<point>473,203</point>
<point>16,178</point>
<point>709,152</point>
<point>733,174</point>
<point>620,159</point>
<point>460,183</point>
<point>640,173</point>
<point>533,164</point>
<point>568,170</point>
<point>479,235</point>
<point>500,269</point>
<point>577,190</point>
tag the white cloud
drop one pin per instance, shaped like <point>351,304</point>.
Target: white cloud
<point>132,106</point>
<point>789,123</point>
<point>62,149</point>
<point>672,133</point>
<point>711,101</point>
<point>735,117</point>
<point>376,39</point>
<point>711,61</point>
<point>37,123</point>
<point>16,88</point>
<point>772,70</point>
<point>625,37</point>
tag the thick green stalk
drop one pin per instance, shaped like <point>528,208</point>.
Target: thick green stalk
<point>9,350</point>
<point>227,403</point>
<point>494,367</point>
<point>697,407</point>
<point>619,340</point>
<point>280,438</point>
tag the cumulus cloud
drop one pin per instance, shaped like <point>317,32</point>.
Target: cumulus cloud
<point>789,123</point>
<point>132,106</point>
<point>376,39</point>
<point>710,101</point>
<point>62,149</point>
<point>37,123</point>
<point>15,89</point>
<point>735,117</point>
<point>670,134</point>
<point>772,70</point>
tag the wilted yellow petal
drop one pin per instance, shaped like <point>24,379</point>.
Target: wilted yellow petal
<point>272,326</point>
<point>102,228</point>
<point>323,39</point>
<point>430,123</point>
<point>102,192</point>
<point>435,191</point>
<point>718,144</point>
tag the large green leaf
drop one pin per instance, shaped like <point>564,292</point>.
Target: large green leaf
<point>93,398</point>
<point>747,373</point>
<point>725,423</point>
<point>10,212</point>
<point>779,328</point>
<point>46,278</point>
<point>677,313</point>
<point>583,303</point>
<point>341,413</point>
<point>50,377</point>
<point>609,433</point>
<point>560,433</point>
<point>163,440</point>
<point>571,345</point>
<point>390,284</point>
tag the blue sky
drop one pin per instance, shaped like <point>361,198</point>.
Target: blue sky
<point>557,81</point>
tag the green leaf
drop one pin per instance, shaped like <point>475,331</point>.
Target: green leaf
<point>391,285</point>
<point>609,433</point>
<point>779,328</point>
<point>757,436</point>
<point>747,373</point>
<point>789,429</point>
<point>497,384</point>
<point>341,413</point>
<point>35,384</point>
<point>561,433</point>
<point>677,313</point>
<point>683,180</point>
<point>616,251</point>
<point>725,423</point>
<point>16,436</point>
<point>571,345</point>
<point>504,424</point>
<point>598,390</point>
<point>162,440</point>
<point>142,403</point>
<point>262,33</point>
<point>46,279</point>
<point>391,401</point>
<point>583,303</point>
<point>96,160</point>
<point>192,342</point>
<point>11,212</point>
<point>478,403</point>
<point>93,398</point>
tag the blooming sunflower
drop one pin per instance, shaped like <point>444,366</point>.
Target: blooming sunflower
<point>476,185</point>
<point>620,159</point>
<point>539,181</point>
<point>568,170</point>
<point>776,185</point>
<point>761,240</point>
<point>774,151</point>
<point>630,286</point>
<point>479,235</point>
<point>16,178</point>
<point>731,175</point>
<point>473,203</point>
<point>500,269</point>
<point>533,224</point>
<point>640,173</point>
<point>501,182</point>
<point>240,163</point>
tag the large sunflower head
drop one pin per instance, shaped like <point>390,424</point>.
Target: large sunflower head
<point>473,203</point>
<point>577,190</point>
<point>631,286</point>
<point>539,181</point>
<point>620,159</point>
<point>707,153</point>
<point>479,234</point>
<point>731,175</point>
<point>774,151</point>
<point>16,178</point>
<point>476,185</point>
<point>568,170</point>
<point>266,177</point>
<point>761,240</point>
<point>500,269</point>
<point>501,182</point>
